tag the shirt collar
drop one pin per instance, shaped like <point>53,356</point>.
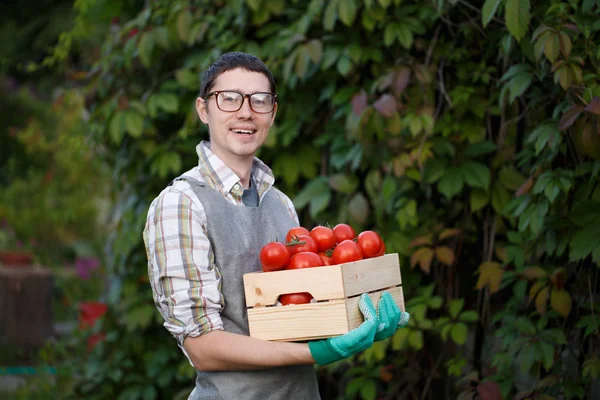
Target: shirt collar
<point>219,176</point>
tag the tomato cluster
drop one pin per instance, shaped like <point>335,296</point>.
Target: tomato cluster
<point>318,247</point>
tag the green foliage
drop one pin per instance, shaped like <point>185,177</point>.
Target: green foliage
<point>467,134</point>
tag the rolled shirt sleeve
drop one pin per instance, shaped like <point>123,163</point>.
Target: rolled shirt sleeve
<point>185,281</point>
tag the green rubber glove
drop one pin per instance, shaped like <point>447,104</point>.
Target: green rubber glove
<point>359,339</point>
<point>389,317</point>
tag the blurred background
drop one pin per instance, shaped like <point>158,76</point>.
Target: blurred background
<point>466,132</point>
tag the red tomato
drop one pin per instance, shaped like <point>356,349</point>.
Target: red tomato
<point>346,252</point>
<point>343,232</point>
<point>305,259</point>
<point>370,243</point>
<point>382,252</point>
<point>324,237</point>
<point>274,256</point>
<point>296,231</point>
<point>326,259</point>
<point>295,298</point>
<point>308,244</point>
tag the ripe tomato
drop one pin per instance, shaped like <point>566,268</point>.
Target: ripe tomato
<point>295,298</point>
<point>370,243</point>
<point>382,252</point>
<point>304,259</point>
<point>343,232</point>
<point>274,256</point>
<point>324,237</point>
<point>296,231</point>
<point>308,244</point>
<point>346,252</point>
<point>325,257</point>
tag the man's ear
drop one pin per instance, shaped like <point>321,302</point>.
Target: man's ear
<point>274,113</point>
<point>201,109</point>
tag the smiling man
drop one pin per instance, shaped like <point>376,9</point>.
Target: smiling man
<point>205,231</point>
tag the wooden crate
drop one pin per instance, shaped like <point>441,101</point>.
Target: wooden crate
<point>336,288</point>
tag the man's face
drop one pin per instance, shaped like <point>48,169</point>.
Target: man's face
<point>226,140</point>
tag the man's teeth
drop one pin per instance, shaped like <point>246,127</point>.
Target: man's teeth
<point>243,131</point>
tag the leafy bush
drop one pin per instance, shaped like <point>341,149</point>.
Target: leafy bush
<point>466,132</point>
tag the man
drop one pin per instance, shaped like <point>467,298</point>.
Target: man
<point>205,230</point>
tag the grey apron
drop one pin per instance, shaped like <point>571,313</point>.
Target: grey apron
<point>236,234</point>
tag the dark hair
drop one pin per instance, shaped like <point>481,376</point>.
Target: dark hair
<point>233,60</point>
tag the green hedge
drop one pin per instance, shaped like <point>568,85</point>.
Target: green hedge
<point>468,133</point>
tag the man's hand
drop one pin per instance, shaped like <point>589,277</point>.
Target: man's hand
<point>359,339</point>
<point>389,317</point>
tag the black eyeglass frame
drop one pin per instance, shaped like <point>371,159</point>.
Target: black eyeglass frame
<point>244,96</point>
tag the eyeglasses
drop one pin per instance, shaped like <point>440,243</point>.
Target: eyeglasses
<point>231,101</point>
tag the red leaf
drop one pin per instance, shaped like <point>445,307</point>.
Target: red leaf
<point>359,102</point>
<point>594,106</point>
<point>386,105</point>
<point>524,188</point>
<point>489,390</point>
<point>568,118</point>
<point>401,80</point>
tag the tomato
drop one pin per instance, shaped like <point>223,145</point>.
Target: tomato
<point>370,243</point>
<point>295,298</point>
<point>308,244</point>
<point>296,231</point>
<point>274,256</point>
<point>324,237</point>
<point>304,259</point>
<point>382,252</point>
<point>346,252</point>
<point>343,232</point>
<point>326,259</point>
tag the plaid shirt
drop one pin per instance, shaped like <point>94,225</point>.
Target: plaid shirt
<point>184,278</point>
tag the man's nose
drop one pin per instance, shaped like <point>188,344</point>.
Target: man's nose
<point>245,111</point>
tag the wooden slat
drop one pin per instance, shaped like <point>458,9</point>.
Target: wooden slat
<point>323,283</point>
<point>299,321</point>
<point>355,317</point>
<point>264,288</point>
<point>371,274</point>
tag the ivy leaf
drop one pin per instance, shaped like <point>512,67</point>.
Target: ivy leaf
<point>476,174</point>
<point>415,339</point>
<point>445,255</point>
<point>423,257</point>
<point>489,390</point>
<point>459,332</point>
<point>560,300</point>
<point>584,242</point>
<point>489,10</point>
<point>386,105</point>
<point>347,12</point>
<point>359,102</point>
<point>469,316</point>
<point>594,106</point>
<point>343,183</point>
<point>456,307</point>
<point>541,300</point>
<point>517,17</point>
<point>145,47</point>
<point>490,273</point>
<point>368,390</point>
<point>319,203</point>
<point>434,169</point>
<point>480,148</point>
<point>310,190</point>
<point>134,123</point>
<point>116,128</point>
<point>451,183</point>
<point>330,15</point>
<point>478,199</point>
<point>359,208</point>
